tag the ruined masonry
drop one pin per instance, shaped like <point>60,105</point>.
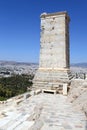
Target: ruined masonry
<point>54,62</point>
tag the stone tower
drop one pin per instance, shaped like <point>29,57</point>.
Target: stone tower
<point>54,51</point>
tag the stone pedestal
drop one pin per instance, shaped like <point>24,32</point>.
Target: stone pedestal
<point>51,79</point>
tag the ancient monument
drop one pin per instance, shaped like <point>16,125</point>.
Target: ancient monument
<point>54,62</point>
<point>34,111</point>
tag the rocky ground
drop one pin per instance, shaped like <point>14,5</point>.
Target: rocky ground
<point>78,94</point>
<point>42,112</point>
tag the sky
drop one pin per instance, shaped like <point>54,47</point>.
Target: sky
<point>20,28</point>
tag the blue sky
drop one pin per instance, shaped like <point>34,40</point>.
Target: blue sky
<point>20,28</point>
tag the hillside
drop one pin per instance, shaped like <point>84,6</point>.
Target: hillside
<point>83,65</point>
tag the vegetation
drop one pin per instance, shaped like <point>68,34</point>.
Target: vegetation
<point>15,85</point>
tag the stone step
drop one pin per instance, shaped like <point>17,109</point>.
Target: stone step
<point>52,77</point>
<point>14,122</point>
<point>25,125</point>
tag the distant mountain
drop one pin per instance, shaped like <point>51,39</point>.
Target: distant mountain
<point>83,65</point>
<point>16,63</point>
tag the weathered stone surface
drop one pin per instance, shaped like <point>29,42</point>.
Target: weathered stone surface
<point>54,50</point>
<point>54,42</point>
<point>78,94</point>
<point>42,112</point>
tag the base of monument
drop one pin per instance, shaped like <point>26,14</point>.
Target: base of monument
<point>52,79</point>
